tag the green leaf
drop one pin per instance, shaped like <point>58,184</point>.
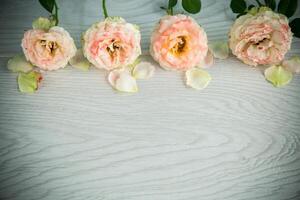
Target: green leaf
<point>253,10</point>
<point>53,20</point>
<point>238,6</point>
<point>48,4</point>
<point>295,26</point>
<point>271,4</point>
<point>278,76</point>
<point>251,6</point>
<point>264,9</point>
<point>42,23</point>
<point>19,63</point>
<point>287,7</point>
<point>172,3</point>
<point>28,83</point>
<point>191,6</point>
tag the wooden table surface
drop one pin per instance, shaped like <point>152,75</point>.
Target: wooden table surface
<point>77,139</point>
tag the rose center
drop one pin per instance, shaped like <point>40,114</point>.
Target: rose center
<point>50,46</point>
<point>113,48</point>
<point>179,46</point>
<point>263,44</point>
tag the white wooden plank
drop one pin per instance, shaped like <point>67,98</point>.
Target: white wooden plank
<point>77,139</point>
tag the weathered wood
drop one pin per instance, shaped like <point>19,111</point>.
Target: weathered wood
<point>77,139</point>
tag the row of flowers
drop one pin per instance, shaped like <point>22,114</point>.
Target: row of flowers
<point>259,36</point>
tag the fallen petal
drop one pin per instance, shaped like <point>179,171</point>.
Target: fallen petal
<point>121,80</point>
<point>19,63</point>
<point>278,76</point>
<point>144,70</point>
<point>79,61</point>
<point>29,82</point>
<point>197,78</point>
<point>292,64</point>
<point>208,60</point>
<point>220,49</point>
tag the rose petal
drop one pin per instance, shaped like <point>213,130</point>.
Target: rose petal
<point>112,43</point>
<point>197,78</point>
<point>19,63</point>
<point>260,39</point>
<point>292,64</point>
<point>208,61</point>
<point>48,50</point>
<point>278,76</point>
<point>220,49</point>
<point>42,23</point>
<point>121,80</point>
<point>144,70</point>
<point>79,61</point>
<point>178,43</point>
<point>28,83</point>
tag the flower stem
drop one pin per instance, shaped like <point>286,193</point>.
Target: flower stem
<point>56,13</point>
<point>104,9</point>
<point>170,9</point>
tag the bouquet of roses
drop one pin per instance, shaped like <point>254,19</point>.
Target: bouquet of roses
<point>261,35</point>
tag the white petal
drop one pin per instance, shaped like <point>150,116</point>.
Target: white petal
<point>208,60</point>
<point>79,61</point>
<point>19,63</point>
<point>220,49</point>
<point>197,78</point>
<point>121,80</point>
<point>144,70</point>
<point>292,65</point>
<point>278,76</point>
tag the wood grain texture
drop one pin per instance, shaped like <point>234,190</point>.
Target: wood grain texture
<point>75,139</point>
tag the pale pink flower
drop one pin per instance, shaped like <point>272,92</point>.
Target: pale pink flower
<point>260,39</point>
<point>112,43</point>
<point>178,43</point>
<point>48,50</point>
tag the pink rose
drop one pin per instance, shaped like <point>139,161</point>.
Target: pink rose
<point>262,38</point>
<point>48,50</point>
<point>112,43</point>
<point>178,43</point>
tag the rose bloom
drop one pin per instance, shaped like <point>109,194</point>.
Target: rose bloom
<point>112,43</point>
<point>48,50</point>
<point>178,43</point>
<point>263,38</point>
